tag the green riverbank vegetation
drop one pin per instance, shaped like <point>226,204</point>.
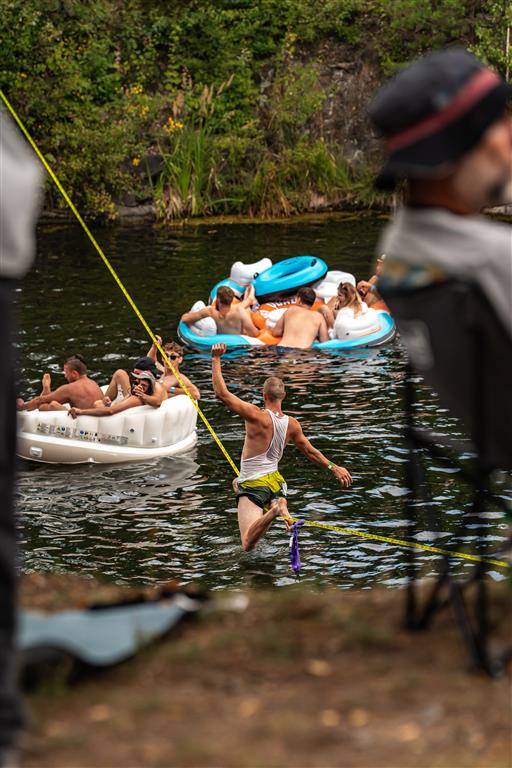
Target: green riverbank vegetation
<point>214,107</point>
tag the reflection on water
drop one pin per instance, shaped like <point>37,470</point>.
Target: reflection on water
<point>176,518</point>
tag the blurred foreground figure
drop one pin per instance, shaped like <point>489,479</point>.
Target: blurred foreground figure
<point>447,279</point>
<point>448,134</point>
<point>448,272</point>
<point>19,198</point>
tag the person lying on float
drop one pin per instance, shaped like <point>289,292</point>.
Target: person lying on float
<point>80,391</point>
<point>299,327</point>
<point>143,389</point>
<point>168,379</point>
<point>120,385</point>
<point>233,319</point>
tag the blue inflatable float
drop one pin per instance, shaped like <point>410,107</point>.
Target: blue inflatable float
<point>284,278</point>
<point>382,332</point>
<point>275,287</point>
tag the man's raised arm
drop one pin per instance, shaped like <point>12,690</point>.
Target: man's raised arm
<point>153,352</point>
<point>234,403</point>
<point>299,439</point>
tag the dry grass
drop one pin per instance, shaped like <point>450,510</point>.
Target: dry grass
<point>300,679</point>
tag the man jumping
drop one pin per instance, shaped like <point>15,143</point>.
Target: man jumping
<point>260,488</point>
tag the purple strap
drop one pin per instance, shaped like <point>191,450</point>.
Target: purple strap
<point>294,546</point>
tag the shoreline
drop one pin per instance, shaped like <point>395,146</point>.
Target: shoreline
<point>146,214</point>
<point>142,214</point>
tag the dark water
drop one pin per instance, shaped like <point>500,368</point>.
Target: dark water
<point>175,518</point>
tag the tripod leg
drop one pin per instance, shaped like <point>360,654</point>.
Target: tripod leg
<point>412,482</point>
<point>464,623</point>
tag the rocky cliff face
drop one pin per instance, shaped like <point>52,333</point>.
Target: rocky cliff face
<point>349,84</point>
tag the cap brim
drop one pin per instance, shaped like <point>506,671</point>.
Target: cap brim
<point>440,151</point>
<point>393,172</point>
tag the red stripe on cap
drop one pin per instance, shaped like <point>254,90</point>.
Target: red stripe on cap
<point>474,90</point>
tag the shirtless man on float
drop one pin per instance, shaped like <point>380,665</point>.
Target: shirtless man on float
<point>260,488</point>
<point>79,392</point>
<point>143,387</point>
<point>299,326</point>
<point>232,319</point>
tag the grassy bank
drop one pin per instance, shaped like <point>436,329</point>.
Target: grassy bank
<point>225,107</point>
<point>300,678</point>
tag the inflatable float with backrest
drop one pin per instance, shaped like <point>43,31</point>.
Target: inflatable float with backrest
<point>137,434</point>
<point>275,287</point>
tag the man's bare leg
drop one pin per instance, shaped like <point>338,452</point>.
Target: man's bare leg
<point>105,401</point>
<point>120,380</point>
<point>254,522</point>
<point>53,406</point>
<point>46,383</point>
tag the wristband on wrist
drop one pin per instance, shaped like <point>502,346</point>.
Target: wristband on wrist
<point>172,389</point>
<point>330,465</point>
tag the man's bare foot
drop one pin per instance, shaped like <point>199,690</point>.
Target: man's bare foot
<point>46,382</point>
<point>280,510</point>
<point>19,403</point>
<point>250,294</point>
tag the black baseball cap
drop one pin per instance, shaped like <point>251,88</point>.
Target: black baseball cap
<point>434,112</point>
<point>147,364</point>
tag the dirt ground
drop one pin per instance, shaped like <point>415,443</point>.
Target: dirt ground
<point>299,679</point>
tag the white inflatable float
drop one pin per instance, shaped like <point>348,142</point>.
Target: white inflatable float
<point>138,434</point>
<point>244,274</point>
<point>327,288</point>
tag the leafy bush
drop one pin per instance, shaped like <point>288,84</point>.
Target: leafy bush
<point>97,82</point>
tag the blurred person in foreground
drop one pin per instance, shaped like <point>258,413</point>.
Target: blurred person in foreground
<point>448,135</point>
<point>19,203</point>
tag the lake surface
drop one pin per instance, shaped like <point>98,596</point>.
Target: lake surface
<point>176,518</point>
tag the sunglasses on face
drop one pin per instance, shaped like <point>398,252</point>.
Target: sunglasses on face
<point>172,357</point>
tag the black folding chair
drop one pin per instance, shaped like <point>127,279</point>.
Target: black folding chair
<point>458,345</point>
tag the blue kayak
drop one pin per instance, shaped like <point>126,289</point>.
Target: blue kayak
<point>284,278</point>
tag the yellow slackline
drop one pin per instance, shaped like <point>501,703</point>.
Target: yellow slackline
<point>402,543</point>
<point>311,523</point>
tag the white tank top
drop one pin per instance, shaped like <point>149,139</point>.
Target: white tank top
<point>264,463</point>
